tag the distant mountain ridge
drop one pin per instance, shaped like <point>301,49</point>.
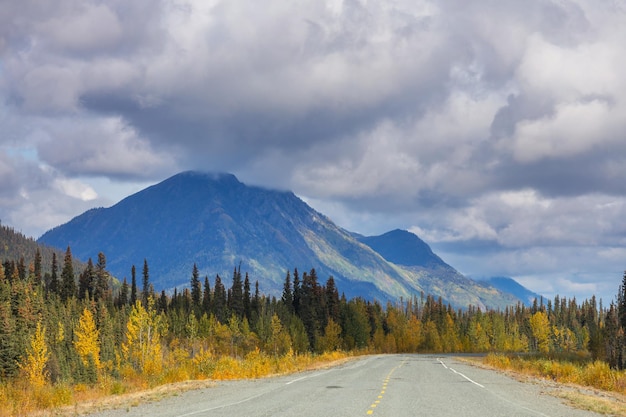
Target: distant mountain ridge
<point>509,285</point>
<point>15,246</point>
<point>217,222</point>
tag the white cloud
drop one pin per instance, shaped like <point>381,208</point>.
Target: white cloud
<point>75,189</point>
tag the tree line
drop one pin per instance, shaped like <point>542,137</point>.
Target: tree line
<point>71,327</point>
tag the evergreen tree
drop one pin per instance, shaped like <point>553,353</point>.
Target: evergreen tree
<point>53,286</point>
<point>9,352</point>
<point>196,288</point>
<point>296,291</point>
<point>255,304</point>
<point>37,269</point>
<point>145,293</point>
<point>86,281</point>
<point>68,285</point>
<point>247,306</point>
<point>309,306</point>
<point>101,290</point>
<point>123,296</point>
<point>133,286</point>
<point>21,268</point>
<point>621,303</point>
<point>206,296</point>
<point>236,294</point>
<point>219,300</point>
<point>332,300</point>
<point>287,297</point>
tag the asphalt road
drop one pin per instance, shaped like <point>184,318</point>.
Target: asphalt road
<point>384,385</point>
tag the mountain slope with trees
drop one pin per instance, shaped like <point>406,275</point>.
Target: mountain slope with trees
<point>216,222</point>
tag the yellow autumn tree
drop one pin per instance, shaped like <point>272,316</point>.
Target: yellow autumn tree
<point>331,340</point>
<point>87,340</point>
<point>37,355</point>
<point>143,339</point>
<point>540,328</point>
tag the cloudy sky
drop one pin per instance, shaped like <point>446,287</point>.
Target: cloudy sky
<point>495,130</point>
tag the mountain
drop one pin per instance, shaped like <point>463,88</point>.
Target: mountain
<point>510,286</point>
<point>15,246</point>
<point>403,248</point>
<point>219,223</point>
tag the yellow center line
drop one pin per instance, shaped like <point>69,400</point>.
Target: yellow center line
<point>385,383</point>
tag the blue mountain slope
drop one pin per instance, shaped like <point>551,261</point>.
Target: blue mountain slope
<point>217,222</point>
<point>510,286</point>
<point>403,248</point>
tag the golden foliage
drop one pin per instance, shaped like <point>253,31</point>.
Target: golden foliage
<point>37,355</point>
<point>143,339</point>
<point>87,339</point>
<point>540,327</point>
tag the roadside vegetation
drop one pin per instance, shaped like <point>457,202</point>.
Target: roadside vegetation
<point>68,337</point>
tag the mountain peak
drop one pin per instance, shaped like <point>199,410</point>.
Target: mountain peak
<point>216,222</point>
<point>403,248</point>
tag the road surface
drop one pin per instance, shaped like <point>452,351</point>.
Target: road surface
<point>382,385</point>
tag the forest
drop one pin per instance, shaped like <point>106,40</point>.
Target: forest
<point>62,329</point>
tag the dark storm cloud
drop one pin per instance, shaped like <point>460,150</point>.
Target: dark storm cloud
<point>492,124</point>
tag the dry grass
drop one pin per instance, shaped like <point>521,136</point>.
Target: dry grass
<point>133,389</point>
<point>590,386</point>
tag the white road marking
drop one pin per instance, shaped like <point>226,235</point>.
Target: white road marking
<point>473,382</point>
<point>458,373</point>
<point>308,376</point>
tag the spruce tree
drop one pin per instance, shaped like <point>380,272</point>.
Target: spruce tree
<point>122,300</point>
<point>86,281</point>
<point>332,299</point>
<point>236,294</point>
<point>219,300</point>
<point>206,296</point>
<point>145,293</point>
<point>37,269</point>
<point>196,289</point>
<point>101,290</point>
<point>287,297</point>
<point>296,291</point>
<point>53,286</point>
<point>247,303</point>
<point>68,285</point>
<point>621,303</point>
<point>133,286</point>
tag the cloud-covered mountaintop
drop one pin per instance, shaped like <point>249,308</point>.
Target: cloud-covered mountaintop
<point>218,223</point>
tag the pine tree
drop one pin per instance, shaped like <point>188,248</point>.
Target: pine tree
<point>287,297</point>
<point>37,269</point>
<point>309,306</point>
<point>86,282</point>
<point>219,300</point>
<point>21,268</point>
<point>206,296</point>
<point>332,299</point>
<point>621,303</point>
<point>101,290</point>
<point>122,299</point>
<point>296,291</point>
<point>9,353</point>
<point>145,292</point>
<point>196,288</point>
<point>247,307</point>
<point>68,283</point>
<point>133,286</point>
<point>236,294</point>
<point>53,286</point>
